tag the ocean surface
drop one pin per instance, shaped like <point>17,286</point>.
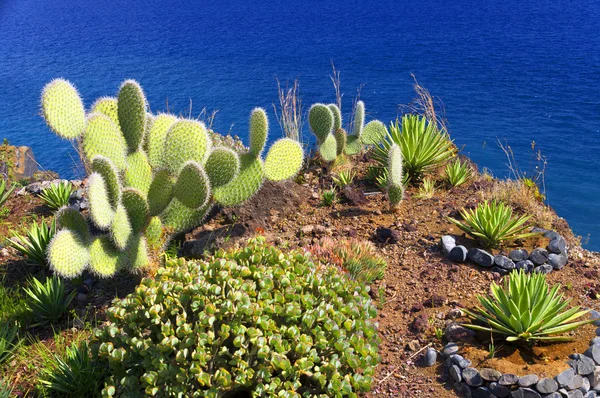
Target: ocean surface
<point>518,71</point>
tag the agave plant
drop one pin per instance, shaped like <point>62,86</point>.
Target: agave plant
<point>526,309</point>
<point>57,195</point>
<point>493,223</point>
<point>33,246</point>
<point>344,178</point>
<point>424,146</point>
<point>458,172</point>
<point>8,341</point>
<point>48,301</point>
<point>4,194</point>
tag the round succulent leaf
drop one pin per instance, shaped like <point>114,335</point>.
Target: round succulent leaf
<point>328,149</point>
<point>154,232</point>
<point>187,140</point>
<point>259,130</point>
<point>222,165</point>
<point>160,192</point>
<point>103,138</point>
<point>68,255</point>
<point>340,139</point>
<point>337,116</point>
<point>104,257</point>
<point>284,159</point>
<point>132,113</point>
<point>101,210</point>
<point>135,257</point>
<point>71,219</point>
<point>321,120</point>
<point>107,106</point>
<point>138,173</point>
<point>63,109</point>
<point>107,169</point>
<point>359,119</point>
<point>192,187</point>
<point>156,138</point>
<point>137,209</point>
<point>120,229</point>
<point>178,218</point>
<point>244,185</point>
<point>353,145</point>
<point>373,133</point>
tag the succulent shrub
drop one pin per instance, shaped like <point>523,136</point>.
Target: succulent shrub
<point>152,177</point>
<point>427,188</point>
<point>8,341</point>
<point>328,198</point>
<point>254,320</point>
<point>493,223</point>
<point>34,245</point>
<point>424,146</point>
<point>48,301</point>
<point>526,309</point>
<point>326,124</point>
<point>395,188</point>
<point>57,195</point>
<point>344,178</point>
<point>458,172</point>
<point>4,193</point>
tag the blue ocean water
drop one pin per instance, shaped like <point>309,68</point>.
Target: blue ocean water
<point>521,71</point>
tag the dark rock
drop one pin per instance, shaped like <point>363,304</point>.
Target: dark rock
<point>576,383</point>
<point>585,387</point>
<point>566,377</point>
<point>525,393</point>
<point>518,255</point>
<point>463,363</point>
<point>504,262</point>
<point>557,245</point>
<point>84,204</point>
<point>456,373</point>
<point>585,365</point>
<point>594,353</point>
<point>454,313</point>
<point>499,270</point>
<point>553,395</point>
<point>528,380</point>
<point>434,301</point>
<point>539,256</point>
<point>34,188</point>
<point>557,261</point>
<point>430,357</point>
<point>481,392</point>
<point>456,332</point>
<point>489,374</point>
<point>574,394</point>
<point>354,196</point>
<point>543,269</point>
<point>420,323</point>
<point>590,394</point>
<point>508,379</point>
<point>472,377</point>
<point>458,254</point>
<point>547,386</point>
<point>594,379</point>
<point>387,235</point>
<point>525,265</point>
<point>462,390</point>
<point>450,349</point>
<point>481,257</point>
<point>595,315</point>
<point>448,243</point>
<point>499,390</point>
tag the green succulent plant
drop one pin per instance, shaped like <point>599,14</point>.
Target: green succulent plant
<point>526,309</point>
<point>57,195</point>
<point>48,301</point>
<point>255,321</point>
<point>395,188</point>
<point>458,172</point>
<point>152,177</point>
<point>34,245</point>
<point>4,193</point>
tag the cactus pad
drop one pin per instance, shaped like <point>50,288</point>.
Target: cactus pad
<point>132,113</point>
<point>63,109</point>
<point>178,218</point>
<point>156,137</point>
<point>337,116</point>
<point>186,140</point>
<point>373,133</point>
<point>107,106</point>
<point>138,173</point>
<point>244,185</point>
<point>359,119</point>
<point>103,166</point>
<point>67,254</point>
<point>321,121</point>
<point>283,160</point>
<point>120,228</point>
<point>136,255</point>
<point>104,258</point>
<point>353,145</point>
<point>102,137</point>
<point>137,209</point>
<point>73,220</point>
<point>259,129</point>
<point>101,211</point>
<point>160,192</point>
<point>154,232</point>
<point>222,166</point>
<point>340,139</point>
<point>328,149</point>
<point>192,187</point>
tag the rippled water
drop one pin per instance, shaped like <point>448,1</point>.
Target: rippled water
<point>514,70</point>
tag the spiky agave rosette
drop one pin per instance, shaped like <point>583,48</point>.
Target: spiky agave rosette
<point>151,177</point>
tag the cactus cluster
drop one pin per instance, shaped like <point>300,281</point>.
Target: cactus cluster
<point>151,177</point>
<point>333,141</point>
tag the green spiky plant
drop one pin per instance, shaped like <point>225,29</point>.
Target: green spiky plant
<point>526,309</point>
<point>4,193</point>
<point>151,177</point>
<point>34,245</point>
<point>57,195</point>
<point>458,172</point>
<point>326,124</point>
<point>48,301</point>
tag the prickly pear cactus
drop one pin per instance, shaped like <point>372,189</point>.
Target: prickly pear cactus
<point>395,188</point>
<point>151,177</point>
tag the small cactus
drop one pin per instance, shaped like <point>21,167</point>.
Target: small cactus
<point>152,177</point>
<point>395,187</point>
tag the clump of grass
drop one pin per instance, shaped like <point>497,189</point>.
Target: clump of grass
<point>8,341</point>
<point>57,195</point>
<point>427,188</point>
<point>344,178</point>
<point>289,115</point>
<point>5,390</point>
<point>48,301</point>
<point>329,198</point>
<point>4,193</point>
<point>356,257</point>
<point>33,246</point>
<point>458,172</point>
<point>12,305</point>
